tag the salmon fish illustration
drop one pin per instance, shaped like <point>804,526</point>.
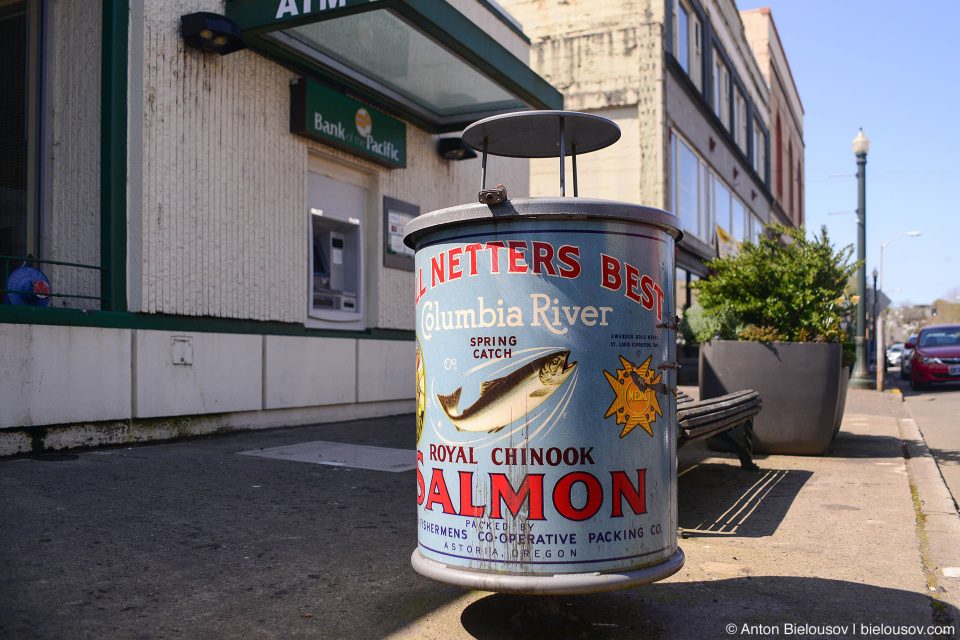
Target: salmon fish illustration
<point>511,397</point>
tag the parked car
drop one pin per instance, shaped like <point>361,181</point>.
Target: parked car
<point>935,356</point>
<point>905,358</point>
<point>894,354</point>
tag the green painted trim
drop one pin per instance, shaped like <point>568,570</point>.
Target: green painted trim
<point>322,74</point>
<point>502,18</point>
<point>337,114</point>
<point>259,16</point>
<point>160,322</point>
<point>450,27</point>
<point>113,155</point>
<point>435,18</point>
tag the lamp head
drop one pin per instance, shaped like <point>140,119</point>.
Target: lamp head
<point>211,32</point>
<point>861,144</point>
<point>454,149</point>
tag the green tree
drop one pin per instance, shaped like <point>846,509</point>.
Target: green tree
<point>778,288</point>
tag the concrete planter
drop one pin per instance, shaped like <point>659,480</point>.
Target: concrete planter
<point>842,400</point>
<point>799,383</point>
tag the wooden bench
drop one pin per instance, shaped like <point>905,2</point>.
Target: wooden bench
<point>701,419</point>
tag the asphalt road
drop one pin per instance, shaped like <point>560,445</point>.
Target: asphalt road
<point>937,412</point>
<point>188,539</point>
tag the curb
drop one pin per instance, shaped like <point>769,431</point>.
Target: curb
<point>938,522</point>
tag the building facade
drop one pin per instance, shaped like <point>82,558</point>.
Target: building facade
<point>681,80</point>
<point>222,234</point>
<point>786,116</point>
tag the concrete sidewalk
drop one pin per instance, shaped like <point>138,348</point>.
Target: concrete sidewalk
<point>190,540</point>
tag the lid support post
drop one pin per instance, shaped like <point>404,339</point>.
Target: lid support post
<point>563,161</point>
<point>483,164</point>
<point>573,157</point>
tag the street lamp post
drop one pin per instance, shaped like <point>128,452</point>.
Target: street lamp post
<point>873,320</point>
<point>861,372</point>
<point>881,353</point>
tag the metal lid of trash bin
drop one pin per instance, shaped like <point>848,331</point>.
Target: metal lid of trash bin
<point>540,208</point>
<point>536,134</point>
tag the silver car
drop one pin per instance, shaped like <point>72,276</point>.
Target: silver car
<point>895,354</point>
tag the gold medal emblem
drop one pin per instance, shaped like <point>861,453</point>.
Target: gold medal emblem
<point>636,403</point>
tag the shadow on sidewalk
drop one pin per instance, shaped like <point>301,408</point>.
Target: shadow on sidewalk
<point>692,610</point>
<point>852,445</point>
<point>722,500</point>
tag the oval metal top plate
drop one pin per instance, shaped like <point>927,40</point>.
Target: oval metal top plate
<point>536,134</point>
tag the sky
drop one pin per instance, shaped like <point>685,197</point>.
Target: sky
<point>891,69</point>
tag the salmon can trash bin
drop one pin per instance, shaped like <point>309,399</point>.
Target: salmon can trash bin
<point>546,380</point>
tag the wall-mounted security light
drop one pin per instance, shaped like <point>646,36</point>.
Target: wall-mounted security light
<point>211,32</point>
<point>454,149</point>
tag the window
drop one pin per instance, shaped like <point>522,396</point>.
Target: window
<point>759,152</point>
<point>790,209</point>
<point>688,41</point>
<point>779,157</point>
<point>696,52</point>
<point>337,201</point>
<point>19,132</point>
<point>688,189</point>
<point>691,180</point>
<point>739,220</point>
<point>686,297</point>
<point>721,196</point>
<point>732,216</point>
<point>799,196</point>
<point>754,226</point>
<point>721,90</point>
<point>741,121</point>
<point>682,35</point>
<point>706,223</point>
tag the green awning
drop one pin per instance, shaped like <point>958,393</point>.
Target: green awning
<point>421,60</point>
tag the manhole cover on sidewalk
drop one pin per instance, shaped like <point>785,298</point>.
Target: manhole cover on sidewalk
<point>337,454</point>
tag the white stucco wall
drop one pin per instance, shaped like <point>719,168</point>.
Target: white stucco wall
<point>223,220</point>
<point>217,227</point>
<point>304,372</point>
<point>385,370</point>
<point>222,180</point>
<point>223,374</point>
<point>51,375</point>
<point>110,386</point>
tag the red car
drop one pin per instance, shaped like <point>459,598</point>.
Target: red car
<point>935,356</point>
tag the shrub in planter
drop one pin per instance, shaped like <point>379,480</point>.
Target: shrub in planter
<point>784,291</point>
<point>781,289</point>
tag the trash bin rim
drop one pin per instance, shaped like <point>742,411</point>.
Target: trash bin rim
<point>557,584</point>
<point>540,208</point>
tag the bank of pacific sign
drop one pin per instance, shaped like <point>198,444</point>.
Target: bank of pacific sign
<point>321,113</point>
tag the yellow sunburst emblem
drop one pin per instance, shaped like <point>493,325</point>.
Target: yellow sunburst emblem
<point>636,403</point>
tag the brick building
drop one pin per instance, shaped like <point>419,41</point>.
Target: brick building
<point>786,116</point>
